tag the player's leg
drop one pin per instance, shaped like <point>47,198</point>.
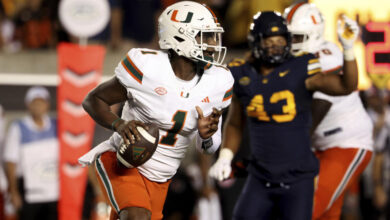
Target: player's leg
<point>135,213</point>
<point>255,201</point>
<point>296,200</point>
<point>113,214</point>
<point>30,211</point>
<point>50,211</point>
<point>339,168</point>
<point>124,188</point>
<point>158,194</point>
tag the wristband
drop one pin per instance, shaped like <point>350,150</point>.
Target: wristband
<point>114,122</point>
<point>207,143</point>
<point>226,153</point>
<point>349,54</point>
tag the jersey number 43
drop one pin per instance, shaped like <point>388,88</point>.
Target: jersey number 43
<point>256,107</point>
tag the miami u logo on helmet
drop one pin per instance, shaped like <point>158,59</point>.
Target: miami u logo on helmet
<point>187,20</point>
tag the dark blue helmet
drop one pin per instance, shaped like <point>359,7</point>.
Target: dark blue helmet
<point>266,24</point>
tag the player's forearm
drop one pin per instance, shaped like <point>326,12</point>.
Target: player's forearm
<point>10,171</point>
<point>350,69</point>
<point>232,137</point>
<point>319,108</point>
<point>204,164</point>
<point>99,110</point>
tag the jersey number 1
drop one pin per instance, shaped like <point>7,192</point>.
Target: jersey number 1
<point>178,123</point>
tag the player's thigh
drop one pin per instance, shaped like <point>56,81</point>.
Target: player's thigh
<point>158,193</point>
<point>296,201</point>
<point>123,187</point>
<point>338,169</point>
<point>254,202</point>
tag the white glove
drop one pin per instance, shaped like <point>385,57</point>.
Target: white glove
<point>222,168</point>
<point>348,32</point>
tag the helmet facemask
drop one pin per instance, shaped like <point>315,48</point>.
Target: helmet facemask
<point>263,52</point>
<point>265,25</point>
<point>208,47</point>
<point>299,43</point>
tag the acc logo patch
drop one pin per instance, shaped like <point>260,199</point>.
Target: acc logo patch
<point>160,90</point>
<point>244,81</point>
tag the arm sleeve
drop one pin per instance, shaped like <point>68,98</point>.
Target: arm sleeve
<point>216,141</point>
<point>12,144</point>
<point>320,95</point>
<point>227,89</point>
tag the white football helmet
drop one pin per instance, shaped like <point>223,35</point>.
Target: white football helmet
<point>305,21</point>
<point>180,24</point>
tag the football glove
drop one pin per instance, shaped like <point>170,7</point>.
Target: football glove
<point>347,32</point>
<point>222,168</point>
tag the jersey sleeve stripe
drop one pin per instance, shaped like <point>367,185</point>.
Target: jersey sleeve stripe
<point>228,95</point>
<point>337,69</point>
<point>316,60</point>
<point>311,72</point>
<point>132,69</point>
<point>313,66</point>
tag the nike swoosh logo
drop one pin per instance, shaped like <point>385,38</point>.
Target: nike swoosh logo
<point>282,74</point>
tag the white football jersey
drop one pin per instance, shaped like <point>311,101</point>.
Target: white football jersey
<point>156,95</point>
<point>347,124</point>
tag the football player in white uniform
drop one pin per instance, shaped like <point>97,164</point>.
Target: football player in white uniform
<point>183,88</point>
<point>342,130</point>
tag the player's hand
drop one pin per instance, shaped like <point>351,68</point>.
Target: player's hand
<point>347,31</point>
<point>222,168</point>
<point>128,130</point>
<point>207,126</point>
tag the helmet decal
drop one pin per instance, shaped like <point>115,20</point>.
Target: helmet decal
<point>275,29</point>
<point>212,13</point>
<point>313,19</point>
<point>292,11</point>
<point>187,20</point>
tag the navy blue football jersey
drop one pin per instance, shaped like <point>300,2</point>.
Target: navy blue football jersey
<point>278,109</point>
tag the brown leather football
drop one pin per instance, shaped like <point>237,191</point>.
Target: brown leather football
<point>136,154</point>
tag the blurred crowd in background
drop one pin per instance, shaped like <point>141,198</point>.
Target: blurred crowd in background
<point>34,25</point>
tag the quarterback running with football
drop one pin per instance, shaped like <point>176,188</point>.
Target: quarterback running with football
<point>273,94</point>
<point>342,136</point>
<point>183,88</point>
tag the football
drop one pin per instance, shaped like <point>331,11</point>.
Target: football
<point>136,154</point>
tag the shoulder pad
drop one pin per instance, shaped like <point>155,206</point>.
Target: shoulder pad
<point>135,61</point>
